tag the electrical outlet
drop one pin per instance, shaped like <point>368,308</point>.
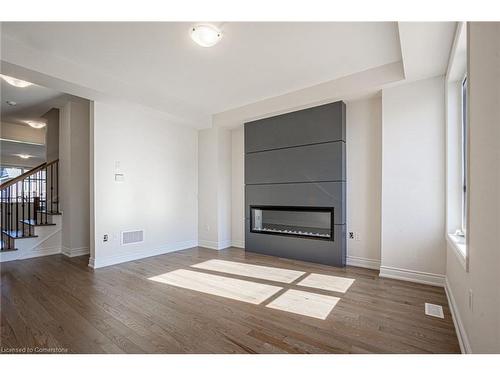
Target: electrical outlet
<point>356,236</point>
<point>105,238</point>
<point>351,235</point>
<point>207,227</point>
<point>471,300</point>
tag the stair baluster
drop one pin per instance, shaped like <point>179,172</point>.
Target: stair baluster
<point>24,203</point>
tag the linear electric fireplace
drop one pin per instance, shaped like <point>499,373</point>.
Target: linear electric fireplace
<point>295,185</point>
<point>306,222</point>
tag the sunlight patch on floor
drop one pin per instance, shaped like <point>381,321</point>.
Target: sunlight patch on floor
<point>327,282</point>
<point>251,270</point>
<point>304,303</point>
<point>241,290</point>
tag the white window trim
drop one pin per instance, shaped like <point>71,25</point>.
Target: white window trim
<point>464,152</point>
<point>455,75</point>
<point>457,243</point>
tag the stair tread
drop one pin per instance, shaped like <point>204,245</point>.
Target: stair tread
<point>49,212</point>
<point>34,223</point>
<point>17,234</point>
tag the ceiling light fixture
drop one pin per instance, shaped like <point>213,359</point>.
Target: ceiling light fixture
<point>24,156</point>
<point>15,82</point>
<point>36,124</point>
<point>11,103</point>
<point>205,35</point>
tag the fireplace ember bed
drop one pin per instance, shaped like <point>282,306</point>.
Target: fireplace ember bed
<point>296,221</point>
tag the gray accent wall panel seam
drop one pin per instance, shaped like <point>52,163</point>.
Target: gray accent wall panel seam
<point>294,182</point>
<point>301,145</point>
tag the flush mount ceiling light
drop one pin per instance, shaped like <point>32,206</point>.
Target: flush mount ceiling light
<point>11,103</point>
<point>24,156</point>
<point>205,35</point>
<point>36,124</point>
<point>15,82</point>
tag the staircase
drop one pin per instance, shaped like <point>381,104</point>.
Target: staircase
<point>30,212</point>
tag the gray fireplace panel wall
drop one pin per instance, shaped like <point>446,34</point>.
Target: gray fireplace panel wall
<point>298,160</point>
<point>319,194</point>
<point>298,128</point>
<point>317,251</point>
<point>307,163</point>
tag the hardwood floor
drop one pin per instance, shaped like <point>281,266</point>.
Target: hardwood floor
<point>59,304</point>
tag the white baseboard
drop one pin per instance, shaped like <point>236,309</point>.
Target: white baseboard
<point>10,256</point>
<point>76,252</point>
<point>414,276</point>
<point>363,262</point>
<point>238,243</point>
<point>224,244</point>
<point>463,340</point>
<point>215,245</point>
<point>209,244</point>
<point>40,252</point>
<point>122,258</point>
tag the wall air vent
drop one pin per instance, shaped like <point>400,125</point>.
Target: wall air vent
<point>434,310</point>
<point>132,236</point>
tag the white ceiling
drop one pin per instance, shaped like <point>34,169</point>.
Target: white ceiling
<point>157,65</point>
<point>458,57</point>
<point>252,62</point>
<point>425,47</point>
<point>32,102</point>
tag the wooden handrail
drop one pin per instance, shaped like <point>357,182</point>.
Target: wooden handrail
<point>27,174</point>
<point>29,198</point>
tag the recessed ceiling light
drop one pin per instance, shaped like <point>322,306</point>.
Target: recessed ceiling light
<point>36,124</point>
<point>206,35</point>
<point>24,156</point>
<point>15,82</point>
<point>11,103</point>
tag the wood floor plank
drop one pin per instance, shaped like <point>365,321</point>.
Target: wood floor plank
<point>60,301</point>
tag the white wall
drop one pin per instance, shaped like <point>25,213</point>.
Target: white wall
<point>159,193</point>
<point>207,188</point>
<point>52,134</point>
<point>74,176</point>
<point>65,174</point>
<point>23,133</point>
<point>224,187</point>
<point>214,184</point>
<point>364,164</point>
<point>413,181</point>
<point>238,188</point>
<point>480,321</point>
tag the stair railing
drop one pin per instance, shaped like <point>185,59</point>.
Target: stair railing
<point>27,200</point>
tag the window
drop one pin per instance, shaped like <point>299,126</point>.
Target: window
<point>8,173</point>
<point>464,155</point>
<point>457,133</point>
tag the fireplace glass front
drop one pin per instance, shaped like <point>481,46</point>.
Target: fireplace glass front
<point>305,222</point>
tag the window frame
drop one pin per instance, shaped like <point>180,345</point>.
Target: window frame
<point>464,150</point>
<point>457,96</point>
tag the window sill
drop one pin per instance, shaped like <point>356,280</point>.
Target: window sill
<point>457,243</point>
